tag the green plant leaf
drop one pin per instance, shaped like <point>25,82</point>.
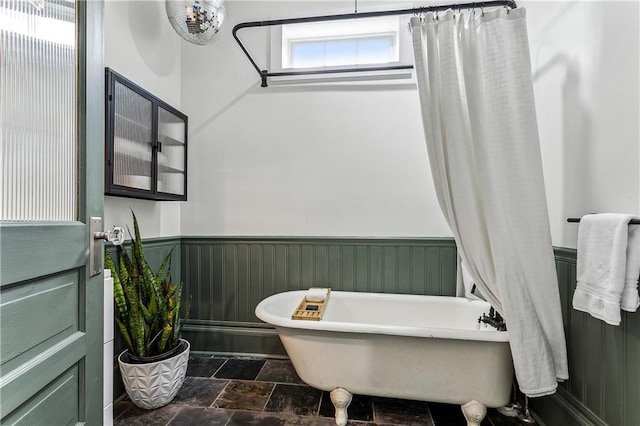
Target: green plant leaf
<point>177,324</point>
<point>118,293</point>
<point>148,318</point>
<point>125,333</point>
<point>166,261</point>
<point>166,333</point>
<point>136,322</point>
<point>149,304</point>
<point>136,243</point>
<point>125,264</point>
<point>156,287</point>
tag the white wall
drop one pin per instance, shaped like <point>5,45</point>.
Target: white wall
<point>329,160</point>
<point>141,45</point>
<point>585,58</point>
<point>350,160</point>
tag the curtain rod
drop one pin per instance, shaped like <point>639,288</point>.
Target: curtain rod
<point>577,219</point>
<point>264,74</point>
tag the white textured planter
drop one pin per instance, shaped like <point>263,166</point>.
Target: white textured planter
<point>154,384</point>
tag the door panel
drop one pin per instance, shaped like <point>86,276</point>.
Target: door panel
<point>51,304</point>
<point>56,404</point>
<point>21,385</point>
<point>51,309</point>
<point>33,250</point>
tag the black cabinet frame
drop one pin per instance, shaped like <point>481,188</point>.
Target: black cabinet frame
<point>156,146</point>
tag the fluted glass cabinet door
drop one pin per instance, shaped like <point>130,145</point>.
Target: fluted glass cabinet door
<point>146,143</point>
<point>171,152</point>
<point>132,145</point>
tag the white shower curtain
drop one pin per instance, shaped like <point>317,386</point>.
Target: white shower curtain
<point>476,95</point>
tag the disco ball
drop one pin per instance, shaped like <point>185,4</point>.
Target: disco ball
<point>197,21</point>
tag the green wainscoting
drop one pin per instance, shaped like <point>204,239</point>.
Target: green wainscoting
<point>155,249</point>
<point>225,278</point>
<point>604,364</point>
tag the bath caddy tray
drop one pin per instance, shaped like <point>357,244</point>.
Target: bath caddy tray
<point>311,311</point>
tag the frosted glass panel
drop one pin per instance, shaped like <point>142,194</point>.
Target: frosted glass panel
<point>132,139</point>
<point>38,139</point>
<point>171,134</point>
<point>343,51</point>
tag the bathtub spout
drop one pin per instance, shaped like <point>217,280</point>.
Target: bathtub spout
<point>494,319</point>
<point>341,399</point>
<point>474,412</point>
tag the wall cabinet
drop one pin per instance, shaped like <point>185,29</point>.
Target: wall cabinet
<point>146,143</point>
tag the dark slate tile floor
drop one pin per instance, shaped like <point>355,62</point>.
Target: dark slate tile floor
<point>236,391</point>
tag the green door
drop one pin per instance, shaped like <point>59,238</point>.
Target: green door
<point>51,183</point>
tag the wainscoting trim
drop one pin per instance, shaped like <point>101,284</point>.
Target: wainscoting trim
<point>604,372</point>
<point>225,277</point>
<point>563,409</point>
<point>233,338</point>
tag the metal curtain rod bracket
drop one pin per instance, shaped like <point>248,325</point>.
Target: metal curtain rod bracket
<point>577,219</point>
<point>264,74</point>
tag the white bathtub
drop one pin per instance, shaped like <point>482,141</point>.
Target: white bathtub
<point>402,346</point>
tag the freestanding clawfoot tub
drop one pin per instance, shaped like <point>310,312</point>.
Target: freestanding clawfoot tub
<point>424,348</point>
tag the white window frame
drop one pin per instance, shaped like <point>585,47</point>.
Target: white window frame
<point>387,26</point>
<point>282,36</point>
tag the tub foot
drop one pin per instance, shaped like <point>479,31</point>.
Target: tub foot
<point>341,399</point>
<point>474,412</point>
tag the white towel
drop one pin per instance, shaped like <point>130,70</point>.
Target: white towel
<point>601,265</point>
<point>630,299</point>
<point>315,294</point>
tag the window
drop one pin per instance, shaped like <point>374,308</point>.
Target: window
<point>341,43</point>
<point>342,51</point>
<point>351,43</point>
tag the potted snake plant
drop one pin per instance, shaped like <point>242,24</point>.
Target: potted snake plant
<point>154,365</point>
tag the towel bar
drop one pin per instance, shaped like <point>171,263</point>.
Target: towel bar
<point>577,219</point>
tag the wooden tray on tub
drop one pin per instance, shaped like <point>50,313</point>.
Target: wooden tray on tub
<point>311,311</point>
